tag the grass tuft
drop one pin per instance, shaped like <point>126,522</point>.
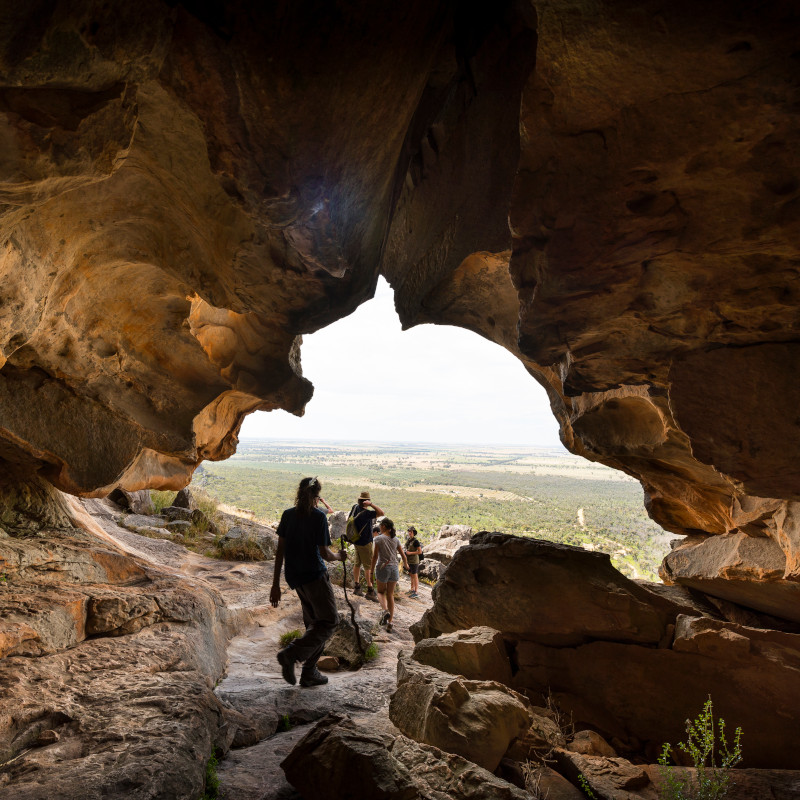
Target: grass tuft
<point>371,653</point>
<point>212,779</point>
<point>289,636</point>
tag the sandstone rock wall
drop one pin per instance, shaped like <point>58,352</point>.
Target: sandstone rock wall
<point>107,661</point>
<point>624,660</point>
<point>179,209</point>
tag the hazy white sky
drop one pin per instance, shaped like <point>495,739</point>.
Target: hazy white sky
<point>432,383</point>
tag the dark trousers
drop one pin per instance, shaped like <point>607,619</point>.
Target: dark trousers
<point>320,618</point>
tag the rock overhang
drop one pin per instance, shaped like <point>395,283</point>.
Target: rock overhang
<point>608,193</point>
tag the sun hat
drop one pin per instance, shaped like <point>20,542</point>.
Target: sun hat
<point>364,496</point>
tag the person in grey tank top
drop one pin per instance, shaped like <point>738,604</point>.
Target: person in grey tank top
<point>387,549</point>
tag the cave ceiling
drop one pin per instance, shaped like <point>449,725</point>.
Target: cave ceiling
<point>609,190</point>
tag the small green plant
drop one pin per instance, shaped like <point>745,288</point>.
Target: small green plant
<point>3,577</point>
<point>284,724</point>
<point>161,500</point>
<point>289,636</point>
<point>712,762</point>
<point>371,653</point>
<point>212,779</point>
<point>587,790</point>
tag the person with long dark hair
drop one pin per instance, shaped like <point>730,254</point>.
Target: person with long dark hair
<point>304,543</point>
<point>386,549</point>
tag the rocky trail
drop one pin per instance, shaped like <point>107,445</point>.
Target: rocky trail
<point>270,715</point>
<point>280,713</point>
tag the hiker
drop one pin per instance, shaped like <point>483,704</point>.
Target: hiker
<point>304,541</point>
<point>387,546</point>
<point>328,509</point>
<point>413,552</point>
<point>364,512</point>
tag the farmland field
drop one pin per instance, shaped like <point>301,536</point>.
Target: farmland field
<point>539,492</point>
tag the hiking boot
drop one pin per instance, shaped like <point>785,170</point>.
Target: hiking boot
<point>388,627</point>
<point>384,618</point>
<point>287,665</point>
<point>313,678</point>
<point>371,594</point>
<point>357,591</point>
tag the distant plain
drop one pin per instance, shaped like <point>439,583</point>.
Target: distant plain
<point>528,491</point>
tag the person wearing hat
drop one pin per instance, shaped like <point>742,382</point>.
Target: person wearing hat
<point>364,512</point>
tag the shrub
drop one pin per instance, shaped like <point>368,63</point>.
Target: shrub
<point>289,636</point>
<point>712,763</point>
<point>161,500</point>
<point>371,653</point>
<point>244,549</point>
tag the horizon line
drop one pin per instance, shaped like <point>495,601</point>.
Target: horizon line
<point>401,441</point>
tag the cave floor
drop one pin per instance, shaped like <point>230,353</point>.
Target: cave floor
<point>253,686</point>
<point>252,683</point>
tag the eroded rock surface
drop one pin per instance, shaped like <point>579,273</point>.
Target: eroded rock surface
<point>636,677</point>
<point>339,757</point>
<point>110,661</point>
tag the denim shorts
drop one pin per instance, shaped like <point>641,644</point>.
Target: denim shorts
<point>388,572</point>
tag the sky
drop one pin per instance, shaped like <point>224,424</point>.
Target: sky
<point>433,383</point>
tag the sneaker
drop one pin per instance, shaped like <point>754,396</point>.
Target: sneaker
<point>287,666</point>
<point>413,595</point>
<point>357,591</point>
<point>388,627</point>
<point>384,618</point>
<point>313,678</point>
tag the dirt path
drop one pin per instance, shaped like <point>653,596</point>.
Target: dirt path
<point>252,684</point>
<point>254,687</point>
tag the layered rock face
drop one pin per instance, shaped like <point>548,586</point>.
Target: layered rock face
<point>186,192</point>
<point>107,662</point>
<point>626,660</point>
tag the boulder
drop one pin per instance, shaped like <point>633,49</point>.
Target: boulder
<point>475,719</point>
<point>173,513</point>
<point>136,522</point>
<point>185,499</point>
<point>443,550</point>
<point>343,645</point>
<point>591,743</point>
<point>741,569</point>
<point>608,778</point>
<point>643,695</point>
<point>431,570</point>
<point>263,535</point>
<point>337,522</point>
<point>328,664</point>
<point>546,592</point>
<point>551,785</point>
<point>340,758</point>
<point>138,502</point>
<point>460,532</point>
<point>478,654</point>
<point>179,526</point>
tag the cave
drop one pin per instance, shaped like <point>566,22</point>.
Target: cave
<point>608,190</point>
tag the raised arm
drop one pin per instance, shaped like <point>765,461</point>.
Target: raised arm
<point>378,511</point>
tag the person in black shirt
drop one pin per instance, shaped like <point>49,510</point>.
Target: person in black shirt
<point>304,543</point>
